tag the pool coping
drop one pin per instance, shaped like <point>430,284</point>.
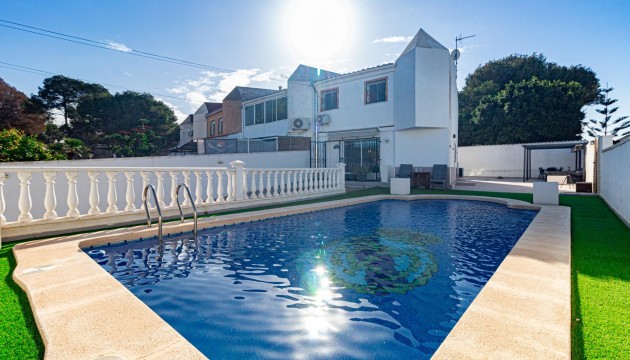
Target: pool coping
<point>523,311</point>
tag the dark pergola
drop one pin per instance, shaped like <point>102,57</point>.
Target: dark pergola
<point>527,154</point>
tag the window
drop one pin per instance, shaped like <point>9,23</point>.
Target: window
<point>281,106</point>
<point>260,113</point>
<point>220,125</point>
<point>376,91</point>
<point>249,115</point>
<point>329,99</point>
<point>212,127</point>
<point>270,111</point>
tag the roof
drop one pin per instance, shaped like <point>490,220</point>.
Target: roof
<point>247,93</point>
<point>188,120</point>
<point>422,40</point>
<point>210,106</point>
<point>555,145</point>
<point>308,73</point>
<point>360,71</point>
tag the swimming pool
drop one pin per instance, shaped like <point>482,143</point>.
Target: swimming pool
<point>377,280</point>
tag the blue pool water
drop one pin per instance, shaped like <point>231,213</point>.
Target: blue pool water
<point>381,280</point>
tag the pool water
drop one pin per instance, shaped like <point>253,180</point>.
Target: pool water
<point>381,280</point>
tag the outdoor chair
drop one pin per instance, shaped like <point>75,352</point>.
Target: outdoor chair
<point>405,171</point>
<point>541,174</point>
<point>438,175</point>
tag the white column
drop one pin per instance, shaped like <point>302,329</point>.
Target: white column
<point>307,182</point>
<point>220,197</point>
<point>73,197</point>
<point>209,188</point>
<point>238,189</point>
<point>341,169</point>
<point>282,191</point>
<point>130,195</point>
<point>187,182</point>
<point>50,198</point>
<point>25,203</point>
<point>3,205</point>
<point>268,188</point>
<point>198,191</point>
<point>317,179</point>
<point>145,182</point>
<point>291,182</point>
<point>299,181</point>
<point>160,188</point>
<point>93,197</point>
<point>112,197</point>
<point>231,186</point>
<point>261,174</point>
<point>275,183</point>
<point>173,188</point>
<point>254,195</point>
<point>245,187</point>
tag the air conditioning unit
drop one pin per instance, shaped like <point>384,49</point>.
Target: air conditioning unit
<point>323,119</point>
<point>299,124</point>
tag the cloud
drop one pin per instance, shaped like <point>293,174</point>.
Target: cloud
<point>118,46</point>
<point>214,86</point>
<point>393,40</point>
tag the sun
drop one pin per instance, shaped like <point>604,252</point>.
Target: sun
<point>318,30</point>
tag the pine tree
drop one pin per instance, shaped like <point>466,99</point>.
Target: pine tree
<point>618,127</point>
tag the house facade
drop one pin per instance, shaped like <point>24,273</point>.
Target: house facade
<point>185,131</point>
<point>215,123</point>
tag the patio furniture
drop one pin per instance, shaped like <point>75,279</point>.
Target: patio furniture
<point>541,174</point>
<point>438,175</point>
<point>405,171</point>
<point>420,179</point>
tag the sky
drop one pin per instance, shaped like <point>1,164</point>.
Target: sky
<point>259,43</point>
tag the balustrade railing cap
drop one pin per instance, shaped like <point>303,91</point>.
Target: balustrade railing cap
<point>102,168</point>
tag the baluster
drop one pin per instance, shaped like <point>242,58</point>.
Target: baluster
<point>326,179</point>
<point>145,182</point>
<point>93,197</point>
<point>187,182</point>
<point>299,181</point>
<point>112,197</point>
<point>307,182</point>
<point>173,175</point>
<point>130,195</point>
<point>25,203</point>
<point>316,180</point>
<point>73,197</point>
<point>282,189</point>
<point>261,188</point>
<point>50,198</point>
<point>160,188</point>
<point>209,188</point>
<point>335,184</point>
<point>220,197</point>
<point>198,189</point>
<point>268,188</point>
<point>312,180</point>
<point>275,184</point>
<point>290,185</point>
<point>231,186</point>
<point>254,185</point>
<point>245,196</point>
<point>3,219</point>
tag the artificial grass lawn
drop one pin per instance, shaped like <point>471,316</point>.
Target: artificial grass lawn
<point>19,338</point>
<point>600,276</point>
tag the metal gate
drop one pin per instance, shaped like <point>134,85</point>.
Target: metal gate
<point>362,158</point>
<point>318,154</point>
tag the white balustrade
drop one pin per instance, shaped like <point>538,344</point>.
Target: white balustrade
<point>145,182</point>
<point>222,186</point>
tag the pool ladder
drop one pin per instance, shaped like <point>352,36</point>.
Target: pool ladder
<point>181,213</point>
<point>145,199</point>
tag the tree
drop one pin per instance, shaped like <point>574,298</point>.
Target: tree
<point>125,121</point>
<point>17,111</point>
<point>71,148</point>
<point>63,93</point>
<point>17,146</point>
<point>501,98</point>
<point>607,125</point>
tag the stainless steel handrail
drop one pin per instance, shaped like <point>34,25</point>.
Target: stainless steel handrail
<point>145,199</point>
<point>181,213</point>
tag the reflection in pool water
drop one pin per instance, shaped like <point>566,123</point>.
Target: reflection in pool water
<point>379,280</point>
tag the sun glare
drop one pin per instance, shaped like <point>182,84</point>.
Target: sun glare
<point>318,30</point>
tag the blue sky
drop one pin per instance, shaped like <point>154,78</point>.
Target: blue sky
<point>263,41</point>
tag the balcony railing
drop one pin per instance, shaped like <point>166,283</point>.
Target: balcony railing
<point>43,200</point>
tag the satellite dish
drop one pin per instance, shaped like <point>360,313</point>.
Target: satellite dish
<point>455,54</point>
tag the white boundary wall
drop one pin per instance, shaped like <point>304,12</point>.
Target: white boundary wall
<point>614,186</point>
<point>507,160</point>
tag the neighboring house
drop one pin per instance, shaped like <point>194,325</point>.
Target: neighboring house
<point>233,105</point>
<point>200,125</point>
<point>215,122</point>
<point>186,131</point>
<point>373,119</point>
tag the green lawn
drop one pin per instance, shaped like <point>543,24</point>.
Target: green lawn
<point>601,282</point>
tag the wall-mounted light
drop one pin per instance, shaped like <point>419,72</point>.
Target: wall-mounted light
<point>386,140</point>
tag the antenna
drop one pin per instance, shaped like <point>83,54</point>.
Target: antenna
<point>458,39</point>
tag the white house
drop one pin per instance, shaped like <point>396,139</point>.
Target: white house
<point>186,131</point>
<point>373,119</point>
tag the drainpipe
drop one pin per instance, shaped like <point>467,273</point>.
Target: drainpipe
<point>316,124</point>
